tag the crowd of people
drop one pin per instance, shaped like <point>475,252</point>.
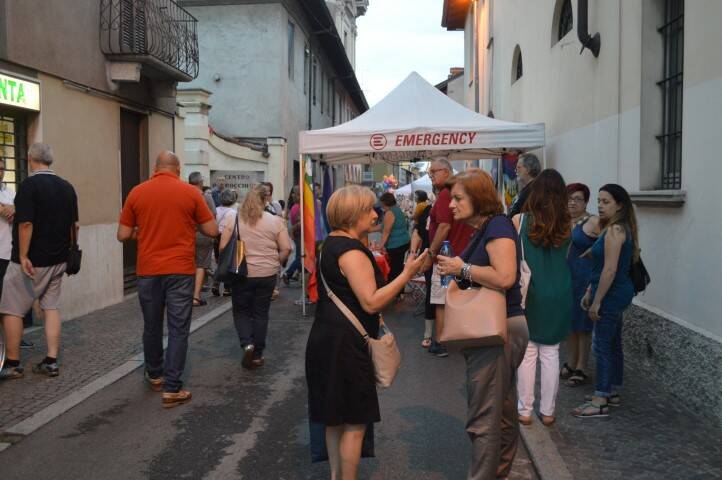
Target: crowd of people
<point>578,287</point>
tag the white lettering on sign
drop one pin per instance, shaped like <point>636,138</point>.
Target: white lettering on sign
<point>19,93</point>
<point>427,139</point>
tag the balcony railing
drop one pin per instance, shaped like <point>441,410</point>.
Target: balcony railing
<point>159,34</point>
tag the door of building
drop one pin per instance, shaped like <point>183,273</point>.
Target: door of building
<point>13,146</point>
<point>131,175</point>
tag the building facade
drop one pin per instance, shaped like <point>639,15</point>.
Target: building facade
<point>87,77</point>
<point>275,68</point>
<point>640,106</point>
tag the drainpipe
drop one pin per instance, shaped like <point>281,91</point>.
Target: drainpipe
<point>593,43</point>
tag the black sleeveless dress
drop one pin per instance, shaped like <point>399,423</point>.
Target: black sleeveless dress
<point>339,371</point>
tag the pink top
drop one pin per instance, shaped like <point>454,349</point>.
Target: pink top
<point>263,242</point>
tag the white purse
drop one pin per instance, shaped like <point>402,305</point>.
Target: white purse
<point>525,279</point>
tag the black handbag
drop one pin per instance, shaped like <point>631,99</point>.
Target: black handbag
<point>232,263</point>
<point>640,276</point>
<point>75,254</point>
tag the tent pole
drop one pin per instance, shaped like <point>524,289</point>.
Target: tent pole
<point>302,253</point>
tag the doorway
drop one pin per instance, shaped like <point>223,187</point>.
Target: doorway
<point>132,172</point>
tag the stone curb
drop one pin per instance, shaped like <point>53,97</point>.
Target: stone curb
<point>543,453</point>
<point>54,410</point>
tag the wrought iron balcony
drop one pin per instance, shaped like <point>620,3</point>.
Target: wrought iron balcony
<point>159,34</point>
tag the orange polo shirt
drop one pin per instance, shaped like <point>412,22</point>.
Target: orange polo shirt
<point>166,212</point>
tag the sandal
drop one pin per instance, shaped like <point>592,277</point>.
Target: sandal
<point>426,342</point>
<point>547,420</point>
<point>591,409</point>
<point>614,400</point>
<point>566,372</point>
<point>577,378</point>
<point>199,302</point>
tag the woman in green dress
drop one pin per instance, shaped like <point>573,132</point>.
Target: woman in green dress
<point>544,231</point>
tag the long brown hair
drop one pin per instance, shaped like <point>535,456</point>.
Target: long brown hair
<point>547,206</point>
<point>251,210</point>
<point>625,216</point>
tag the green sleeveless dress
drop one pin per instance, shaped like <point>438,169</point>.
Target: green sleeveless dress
<point>549,298</point>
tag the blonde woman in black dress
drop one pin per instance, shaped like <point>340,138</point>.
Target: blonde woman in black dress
<point>339,371</point>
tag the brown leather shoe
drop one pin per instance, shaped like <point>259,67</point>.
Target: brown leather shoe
<point>173,399</point>
<point>156,384</point>
<point>258,362</point>
<point>524,420</point>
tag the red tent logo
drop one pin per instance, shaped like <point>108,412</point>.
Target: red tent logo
<point>378,141</point>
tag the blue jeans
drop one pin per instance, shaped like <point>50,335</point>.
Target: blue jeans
<point>174,295</point>
<point>296,265</point>
<point>608,350</point>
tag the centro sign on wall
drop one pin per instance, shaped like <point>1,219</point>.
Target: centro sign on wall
<point>16,92</point>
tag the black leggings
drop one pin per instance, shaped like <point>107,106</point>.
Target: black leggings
<point>396,260</point>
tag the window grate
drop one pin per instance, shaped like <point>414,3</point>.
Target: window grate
<point>566,19</point>
<point>672,32</point>
<point>12,150</point>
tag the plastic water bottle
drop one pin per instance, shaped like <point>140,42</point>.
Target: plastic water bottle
<point>446,251</point>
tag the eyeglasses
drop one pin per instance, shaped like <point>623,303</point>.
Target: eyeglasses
<point>434,171</point>
<point>576,200</point>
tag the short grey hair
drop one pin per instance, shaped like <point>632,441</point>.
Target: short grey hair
<point>445,163</point>
<point>41,152</point>
<point>195,178</point>
<point>531,163</point>
<point>228,197</point>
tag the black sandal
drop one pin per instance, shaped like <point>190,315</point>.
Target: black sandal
<point>577,378</point>
<point>566,372</point>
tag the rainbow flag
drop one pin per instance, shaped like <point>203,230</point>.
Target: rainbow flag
<point>309,227</point>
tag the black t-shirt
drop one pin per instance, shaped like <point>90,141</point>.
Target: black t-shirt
<point>518,204</point>
<point>476,254</point>
<point>51,205</point>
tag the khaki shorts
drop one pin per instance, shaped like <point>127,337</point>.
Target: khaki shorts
<point>438,294</point>
<point>20,291</point>
<point>204,251</point>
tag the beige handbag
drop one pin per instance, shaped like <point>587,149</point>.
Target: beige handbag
<point>475,317</point>
<point>385,354</point>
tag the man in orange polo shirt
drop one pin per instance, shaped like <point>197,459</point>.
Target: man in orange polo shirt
<point>162,214</point>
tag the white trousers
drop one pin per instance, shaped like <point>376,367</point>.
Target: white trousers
<point>548,355</point>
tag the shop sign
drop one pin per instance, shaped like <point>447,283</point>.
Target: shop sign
<point>239,180</point>
<point>19,93</point>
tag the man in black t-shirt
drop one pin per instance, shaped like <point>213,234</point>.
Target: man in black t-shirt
<point>46,215</point>
<point>527,169</point>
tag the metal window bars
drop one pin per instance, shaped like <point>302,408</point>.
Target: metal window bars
<point>159,33</point>
<point>672,94</point>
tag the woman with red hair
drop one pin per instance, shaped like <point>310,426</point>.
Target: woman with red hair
<point>544,235</point>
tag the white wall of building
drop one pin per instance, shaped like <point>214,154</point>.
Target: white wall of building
<point>600,129</point>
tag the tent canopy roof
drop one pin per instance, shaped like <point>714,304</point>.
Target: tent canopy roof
<point>417,121</point>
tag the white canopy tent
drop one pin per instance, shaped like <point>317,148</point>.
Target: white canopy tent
<point>423,183</point>
<point>417,121</point>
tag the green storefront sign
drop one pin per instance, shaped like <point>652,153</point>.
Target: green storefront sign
<point>19,93</point>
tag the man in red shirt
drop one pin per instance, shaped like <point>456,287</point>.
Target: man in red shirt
<point>442,227</point>
<point>162,214</point>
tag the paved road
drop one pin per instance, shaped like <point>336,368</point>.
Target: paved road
<point>252,424</point>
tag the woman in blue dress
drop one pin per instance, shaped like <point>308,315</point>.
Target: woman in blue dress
<point>585,230</point>
<point>609,294</point>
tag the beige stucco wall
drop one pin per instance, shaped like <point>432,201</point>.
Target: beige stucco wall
<point>160,136</point>
<point>601,117</point>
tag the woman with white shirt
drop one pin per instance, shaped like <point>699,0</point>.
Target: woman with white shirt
<point>225,215</point>
<point>267,248</point>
